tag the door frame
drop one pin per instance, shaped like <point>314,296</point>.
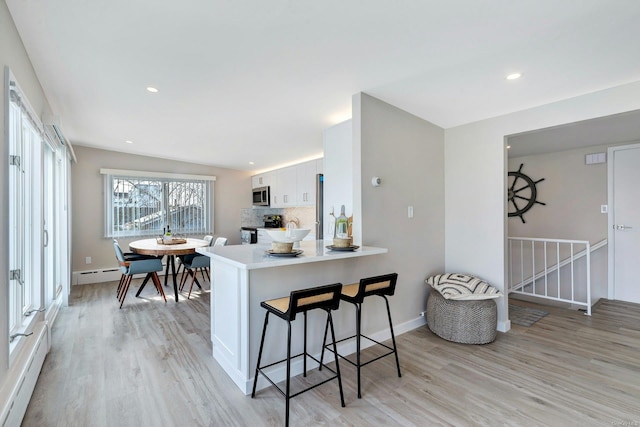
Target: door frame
<point>610,217</point>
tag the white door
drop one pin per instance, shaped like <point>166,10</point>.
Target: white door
<point>625,176</point>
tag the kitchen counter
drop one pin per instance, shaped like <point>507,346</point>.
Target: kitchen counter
<point>253,257</point>
<point>242,276</point>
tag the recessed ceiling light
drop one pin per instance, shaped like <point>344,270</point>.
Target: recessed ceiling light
<point>508,146</point>
<point>251,163</point>
<point>129,142</point>
<point>514,76</point>
<point>152,89</point>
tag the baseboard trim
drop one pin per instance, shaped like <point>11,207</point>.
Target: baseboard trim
<point>22,376</point>
<point>87,277</point>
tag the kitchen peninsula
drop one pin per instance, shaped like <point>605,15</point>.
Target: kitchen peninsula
<point>244,275</point>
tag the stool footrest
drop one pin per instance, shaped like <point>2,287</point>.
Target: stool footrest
<point>260,370</point>
<point>391,350</point>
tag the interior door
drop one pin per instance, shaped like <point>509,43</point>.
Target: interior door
<point>626,223</point>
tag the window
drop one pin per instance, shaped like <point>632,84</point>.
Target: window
<point>146,203</point>
<point>24,136</point>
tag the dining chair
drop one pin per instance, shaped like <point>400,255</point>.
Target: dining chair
<point>182,258</point>
<point>131,256</point>
<point>196,262</point>
<point>133,266</point>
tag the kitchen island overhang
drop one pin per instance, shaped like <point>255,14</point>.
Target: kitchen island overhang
<point>244,275</point>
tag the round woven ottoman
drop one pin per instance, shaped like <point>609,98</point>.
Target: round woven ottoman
<point>462,321</point>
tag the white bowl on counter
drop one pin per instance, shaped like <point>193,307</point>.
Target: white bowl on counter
<point>293,235</point>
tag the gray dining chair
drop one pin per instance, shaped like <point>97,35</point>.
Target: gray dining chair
<point>134,265</point>
<point>196,262</point>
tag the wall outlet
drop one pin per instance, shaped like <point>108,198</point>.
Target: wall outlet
<point>410,211</point>
<point>604,209</point>
<point>422,313</point>
<point>87,260</point>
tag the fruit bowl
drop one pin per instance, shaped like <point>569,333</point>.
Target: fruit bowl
<point>291,235</point>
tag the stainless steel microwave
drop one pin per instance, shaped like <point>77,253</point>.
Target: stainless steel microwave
<point>261,196</point>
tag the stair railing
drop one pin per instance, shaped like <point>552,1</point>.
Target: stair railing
<point>550,269</point>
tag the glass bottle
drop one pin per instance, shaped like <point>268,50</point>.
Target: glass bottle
<point>342,225</point>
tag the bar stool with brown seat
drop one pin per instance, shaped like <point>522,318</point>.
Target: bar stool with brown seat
<point>326,298</point>
<point>382,286</point>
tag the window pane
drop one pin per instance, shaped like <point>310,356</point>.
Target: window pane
<point>143,206</point>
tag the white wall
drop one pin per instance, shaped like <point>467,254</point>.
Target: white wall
<point>338,173</point>
<point>573,192</point>
<point>475,179</point>
<point>407,153</point>
<point>12,55</point>
<point>232,190</point>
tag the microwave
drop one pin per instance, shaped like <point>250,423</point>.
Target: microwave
<point>261,196</point>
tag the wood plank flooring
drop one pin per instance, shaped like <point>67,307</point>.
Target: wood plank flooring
<point>150,364</point>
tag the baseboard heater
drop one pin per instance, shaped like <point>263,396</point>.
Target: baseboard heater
<point>22,377</point>
<point>101,275</point>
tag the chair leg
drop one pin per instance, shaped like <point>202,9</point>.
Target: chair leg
<point>206,269</point>
<point>124,291</point>
<point>125,286</point>
<point>193,279</point>
<point>358,332</point>
<point>120,285</point>
<point>255,377</point>
<point>324,341</point>
<point>304,353</point>
<point>393,337</point>
<point>183,279</point>
<point>288,386</point>
<point>335,355</point>
<point>156,282</point>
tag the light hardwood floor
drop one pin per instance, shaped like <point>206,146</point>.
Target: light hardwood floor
<point>150,364</point>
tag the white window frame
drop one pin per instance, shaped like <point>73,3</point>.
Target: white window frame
<point>24,136</point>
<point>163,178</point>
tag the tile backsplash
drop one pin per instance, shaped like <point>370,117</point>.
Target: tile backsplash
<point>305,217</point>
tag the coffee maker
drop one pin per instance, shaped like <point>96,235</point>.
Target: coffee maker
<point>272,221</point>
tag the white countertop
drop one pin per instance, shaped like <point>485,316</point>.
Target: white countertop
<point>251,257</point>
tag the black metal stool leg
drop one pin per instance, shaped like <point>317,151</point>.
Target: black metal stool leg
<point>288,391</point>
<point>393,337</point>
<point>335,354</point>
<point>324,341</point>
<point>255,377</point>
<point>358,332</point>
<point>304,354</point>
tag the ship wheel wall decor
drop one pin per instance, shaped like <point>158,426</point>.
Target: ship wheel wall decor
<point>521,193</point>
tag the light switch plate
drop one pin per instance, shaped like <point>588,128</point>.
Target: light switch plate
<point>604,209</point>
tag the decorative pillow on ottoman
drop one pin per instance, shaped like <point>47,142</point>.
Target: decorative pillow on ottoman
<point>457,286</point>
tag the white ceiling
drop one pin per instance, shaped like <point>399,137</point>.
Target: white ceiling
<point>259,80</point>
<point>615,129</point>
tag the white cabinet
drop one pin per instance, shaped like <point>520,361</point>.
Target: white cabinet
<point>291,186</point>
<point>284,188</point>
<point>262,180</point>
<point>307,183</point>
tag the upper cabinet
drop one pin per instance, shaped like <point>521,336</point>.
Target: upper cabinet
<point>262,180</point>
<point>307,183</point>
<point>284,188</point>
<point>291,186</point>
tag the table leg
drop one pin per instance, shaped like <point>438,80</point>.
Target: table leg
<point>144,282</point>
<point>172,261</point>
<point>166,272</point>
